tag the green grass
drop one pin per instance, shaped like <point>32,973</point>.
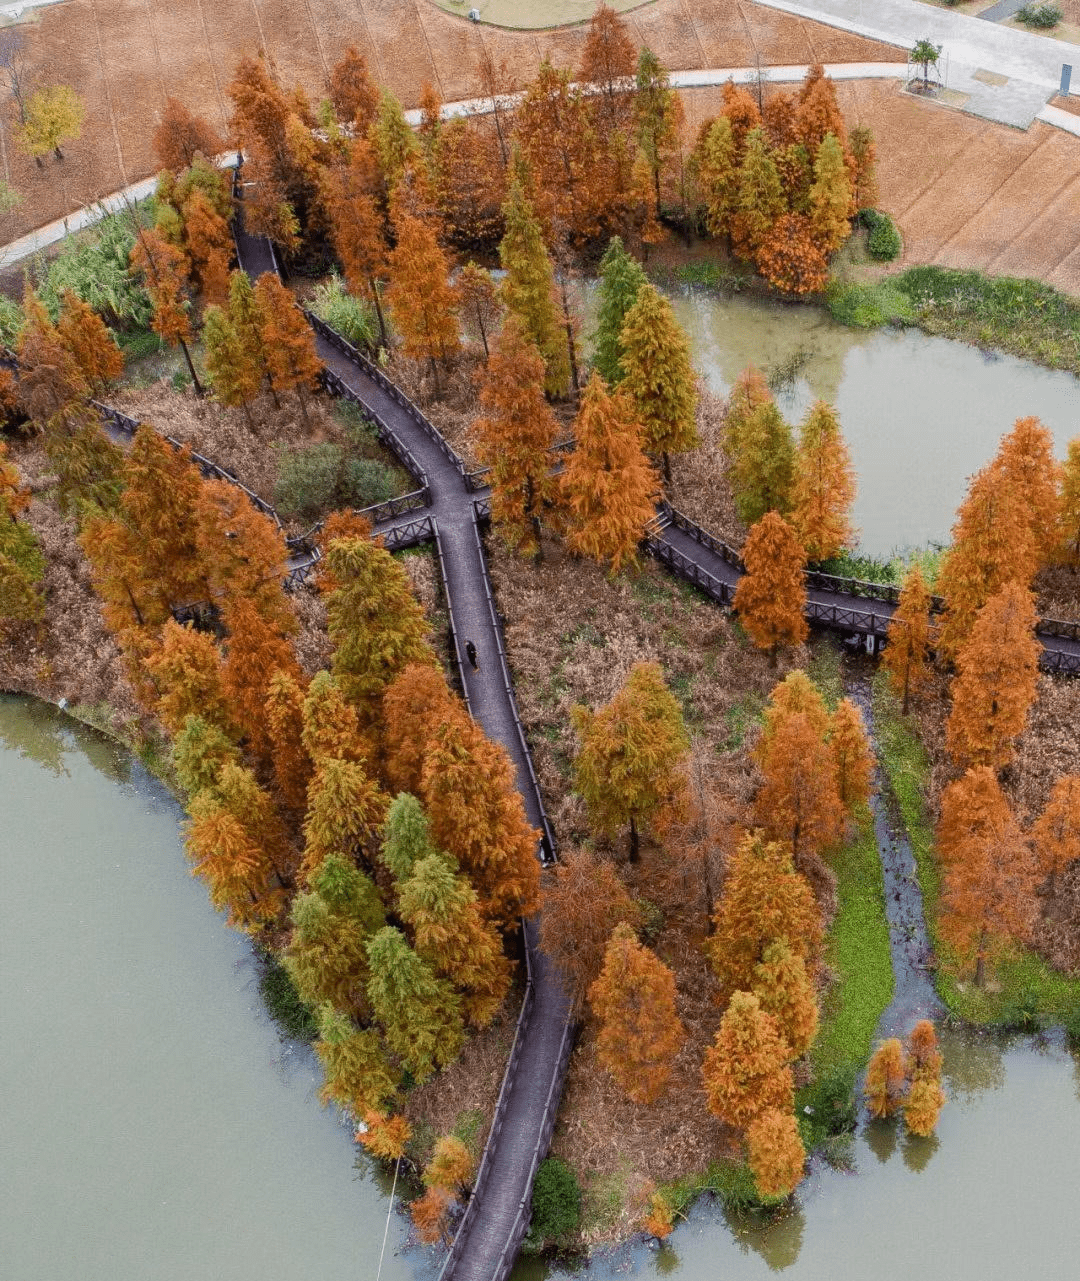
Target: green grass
<point>1021,980</point>
<point>857,950</point>
<point>741,717</point>
<point>825,669</point>
<point>730,1180</point>
<point>1024,317</point>
<point>707,274</point>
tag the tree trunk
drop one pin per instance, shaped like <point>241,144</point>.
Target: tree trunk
<point>303,404</point>
<point>191,369</point>
<point>667,466</point>
<point>907,676</point>
<point>58,153</point>
<point>483,335</point>
<point>134,604</point>
<point>435,375</point>
<point>379,313</point>
<point>569,332</point>
<point>247,414</point>
<point>635,849</point>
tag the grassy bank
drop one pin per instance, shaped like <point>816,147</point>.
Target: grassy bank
<point>1024,989</point>
<point>1023,317</point>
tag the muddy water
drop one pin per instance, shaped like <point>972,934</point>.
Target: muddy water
<point>153,1124</point>
<point>920,414</point>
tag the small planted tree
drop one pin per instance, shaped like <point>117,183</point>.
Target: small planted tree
<point>621,277</point>
<point>166,273</point>
<point>288,341</point>
<point>925,54</point>
<point>54,116</point>
<point>640,1032</point>
<point>924,1098</point>
<point>771,596</point>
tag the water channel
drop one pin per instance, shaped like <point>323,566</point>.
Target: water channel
<point>154,1124</point>
<point>920,414</point>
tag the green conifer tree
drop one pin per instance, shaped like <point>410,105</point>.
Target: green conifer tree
<point>659,376</point>
<point>528,289</point>
<point>420,1014</point>
<point>620,279</point>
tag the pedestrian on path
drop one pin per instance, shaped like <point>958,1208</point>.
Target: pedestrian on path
<point>470,654</point>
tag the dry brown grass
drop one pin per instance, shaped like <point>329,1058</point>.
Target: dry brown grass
<point>466,1091</point>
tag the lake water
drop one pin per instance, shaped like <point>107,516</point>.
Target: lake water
<point>154,1125</point>
<point>920,414</point>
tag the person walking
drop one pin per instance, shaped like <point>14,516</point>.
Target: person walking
<point>470,654</point>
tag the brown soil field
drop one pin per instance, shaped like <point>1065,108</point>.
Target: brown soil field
<point>124,57</point>
<point>965,192</point>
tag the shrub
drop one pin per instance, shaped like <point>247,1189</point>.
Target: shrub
<point>884,241</point>
<point>94,266</point>
<point>283,1002</point>
<point>833,1110</point>
<point>308,479</point>
<point>367,482</point>
<point>353,318</point>
<point>866,306</point>
<point>556,1201</point>
<point>1043,15</point>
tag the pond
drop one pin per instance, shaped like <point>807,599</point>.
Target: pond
<point>154,1125</point>
<point>920,414</point>
<point>992,1195</point>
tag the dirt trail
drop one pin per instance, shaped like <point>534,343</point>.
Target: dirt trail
<point>914,996</point>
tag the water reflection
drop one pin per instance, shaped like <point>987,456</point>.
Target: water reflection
<point>993,1193</point>
<point>43,733</point>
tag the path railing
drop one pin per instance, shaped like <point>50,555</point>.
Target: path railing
<point>482,512</point>
<point>483,1174</point>
<point>372,371</point>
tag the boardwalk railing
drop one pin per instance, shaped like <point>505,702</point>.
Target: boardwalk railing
<point>672,516</point>
<point>481,513</point>
<point>512,1065</point>
<point>540,1148</point>
<point>682,566</point>
<point>372,371</point>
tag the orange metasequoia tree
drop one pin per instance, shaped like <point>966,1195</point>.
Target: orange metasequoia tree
<point>181,136</point>
<point>765,899</point>
<point>608,485</point>
<point>477,815</point>
<point>907,652</point>
<point>634,1002</point>
<point>284,713</point>
<point>884,1085</point>
<point>746,1070</point>
<point>799,801</point>
<point>990,872</point>
<point>515,438</point>
<point>924,1098</point>
<point>782,985</point>
<point>353,94</point>
<point>659,1217</point>
<point>583,903</point>
<point>90,342</point>
<point>997,681</point>
<point>165,273</point>
<point>608,61</point>
<point>186,674</point>
<point>771,596</point>
<point>853,757</point>
<point>385,1136</point>
<point>422,300</point>
<point>238,874</point>
<point>789,258</point>
<point>629,765</point>
<point>775,1152</point>
<point>256,653</point>
<point>992,544</point>
<point>1056,834</point>
<point>1026,456</point>
<point>824,486</point>
<point>414,705</point>
<point>288,341</point>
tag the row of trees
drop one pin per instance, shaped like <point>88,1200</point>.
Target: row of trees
<point>1018,517</point>
<point>361,816</point>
